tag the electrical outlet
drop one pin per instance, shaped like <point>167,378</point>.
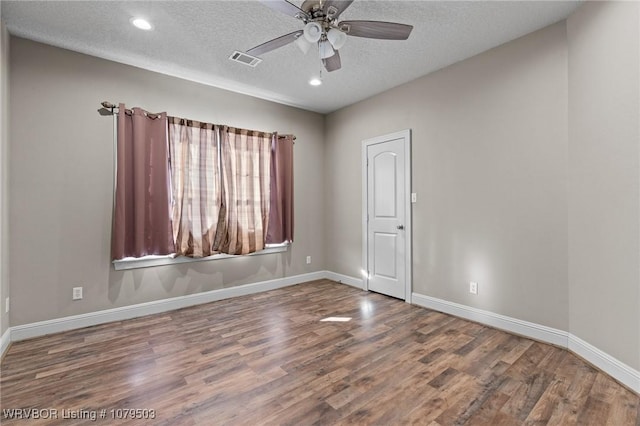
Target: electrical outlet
<point>473,288</point>
<point>6,305</point>
<point>308,260</point>
<point>414,197</point>
<point>77,293</point>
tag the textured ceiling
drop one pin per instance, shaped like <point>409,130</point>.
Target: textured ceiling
<point>193,40</point>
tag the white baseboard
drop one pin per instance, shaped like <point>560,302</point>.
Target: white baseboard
<point>513,325</point>
<point>345,279</point>
<point>27,331</point>
<point>5,340</point>
<point>610,365</point>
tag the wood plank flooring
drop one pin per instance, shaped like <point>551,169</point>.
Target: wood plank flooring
<point>269,359</point>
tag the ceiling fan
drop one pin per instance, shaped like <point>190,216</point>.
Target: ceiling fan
<point>322,28</point>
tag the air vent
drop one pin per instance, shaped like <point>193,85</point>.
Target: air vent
<point>243,58</point>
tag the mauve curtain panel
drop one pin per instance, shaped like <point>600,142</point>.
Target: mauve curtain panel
<point>246,171</point>
<point>196,187</point>
<point>142,221</point>
<point>281,212</point>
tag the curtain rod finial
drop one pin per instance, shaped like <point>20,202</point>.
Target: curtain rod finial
<point>284,136</point>
<point>107,105</point>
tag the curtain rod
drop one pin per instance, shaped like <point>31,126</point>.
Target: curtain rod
<point>108,107</point>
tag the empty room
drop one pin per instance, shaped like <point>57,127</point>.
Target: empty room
<point>320,212</point>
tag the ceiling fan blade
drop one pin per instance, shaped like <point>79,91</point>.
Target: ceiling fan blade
<point>376,29</point>
<point>333,8</point>
<point>274,44</point>
<point>285,7</point>
<point>332,63</point>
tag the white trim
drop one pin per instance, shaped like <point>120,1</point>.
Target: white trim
<point>345,279</point>
<point>27,331</point>
<point>5,340</point>
<point>406,136</point>
<point>147,261</point>
<point>408,214</point>
<point>364,220</point>
<point>513,325</point>
<point>610,365</point>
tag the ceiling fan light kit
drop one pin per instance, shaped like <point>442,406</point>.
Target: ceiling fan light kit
<point>336,37</point>
<point>303,44</point>
<point>322,27</point>
<point>325,49</point>
<point>312,32</point>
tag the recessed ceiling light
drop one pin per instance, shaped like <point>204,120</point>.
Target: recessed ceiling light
<point>141,23</point>
<point>315,82</point>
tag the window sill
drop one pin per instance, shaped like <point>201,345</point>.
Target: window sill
<point>148,261</point>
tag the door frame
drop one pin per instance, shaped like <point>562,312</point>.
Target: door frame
<point>406,135</point>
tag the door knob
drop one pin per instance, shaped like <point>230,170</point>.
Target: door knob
<point>400,227</point>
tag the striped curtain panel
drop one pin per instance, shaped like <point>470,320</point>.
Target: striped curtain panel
<point>246,167</point>
<point>195,181</point>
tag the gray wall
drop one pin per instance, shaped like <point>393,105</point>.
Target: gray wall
<point>489,161</point>
<point>61,156</point>
<point>604,177</point>
<point>4,176</point>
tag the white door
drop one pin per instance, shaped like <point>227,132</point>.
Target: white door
<point>388,215</point>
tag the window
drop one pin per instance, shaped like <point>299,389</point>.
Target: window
<point>186,188</point>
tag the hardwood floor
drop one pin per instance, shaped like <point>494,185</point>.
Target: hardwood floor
<point>269,359</point>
